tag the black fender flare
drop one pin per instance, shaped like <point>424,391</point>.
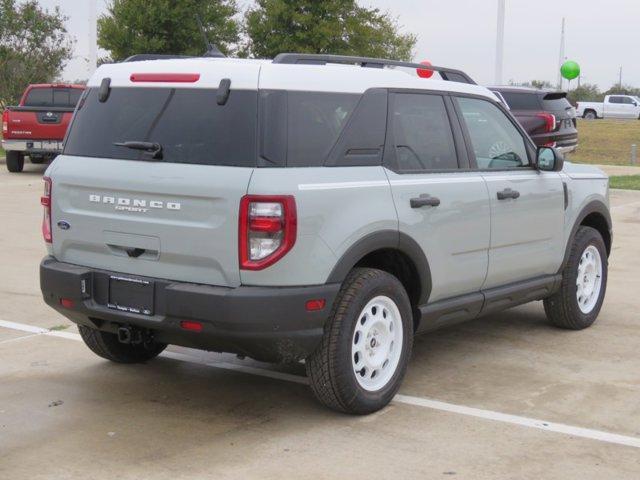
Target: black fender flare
<point>595,206</point>
<point>385,239</point>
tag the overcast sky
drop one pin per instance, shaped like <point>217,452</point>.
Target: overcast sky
<point>600,36</point>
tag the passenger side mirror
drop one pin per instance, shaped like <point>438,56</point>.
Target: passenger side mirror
<point>549,159</point>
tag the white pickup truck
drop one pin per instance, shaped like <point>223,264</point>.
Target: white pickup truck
<point>614,106</point>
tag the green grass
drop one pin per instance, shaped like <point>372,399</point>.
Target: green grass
<point>58,328</point>
<point>606,142</point>
<point>1,152</point>
<point>627,182</point>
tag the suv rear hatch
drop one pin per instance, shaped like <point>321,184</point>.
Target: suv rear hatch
<point>174,216</point>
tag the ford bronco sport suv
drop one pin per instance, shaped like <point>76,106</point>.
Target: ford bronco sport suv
<point>317,208</point>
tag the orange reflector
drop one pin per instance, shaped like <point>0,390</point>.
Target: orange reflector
<point>67,303</point>
<point>315,305</point>
<point>192,326</point>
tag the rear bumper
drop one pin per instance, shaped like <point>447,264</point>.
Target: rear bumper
<point>32,146</point>
<point>266,323</point>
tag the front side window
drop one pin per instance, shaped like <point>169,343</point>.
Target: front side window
<point>496,141</point>
<point>422,133</point>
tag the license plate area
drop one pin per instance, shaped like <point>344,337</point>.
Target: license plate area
<point>131,295</point>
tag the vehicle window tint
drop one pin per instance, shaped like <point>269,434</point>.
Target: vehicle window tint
<point>522,101</point>
<point>39,97</point>
<point>556,105</point>
<point>299,129</point>
<point>188,123</point>
<point>66,97</point>
<point>614,100</point>
<point>422,133</point>
<point>314,122</point>
<point>496,142</point>
<point>626,100</point>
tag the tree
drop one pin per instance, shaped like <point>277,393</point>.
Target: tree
<point>586,92</point>
<point>167,27</point>
<point>34,47</point>
<point>330,26</point>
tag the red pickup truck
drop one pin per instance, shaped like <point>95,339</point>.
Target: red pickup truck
<point>37,126</point>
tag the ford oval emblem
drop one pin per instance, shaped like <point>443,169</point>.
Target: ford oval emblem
<point>64,225</point>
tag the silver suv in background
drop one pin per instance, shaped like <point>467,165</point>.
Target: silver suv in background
<point>310,208</point>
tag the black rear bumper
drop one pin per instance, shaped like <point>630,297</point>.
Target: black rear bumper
<point>266,323</point>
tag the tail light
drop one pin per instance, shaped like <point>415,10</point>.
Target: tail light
<point>45,201</point>
<point>5,122</point>
<point>267,229</point>
<point>549,121</point>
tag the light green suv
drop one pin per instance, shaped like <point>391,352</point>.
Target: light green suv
<point>317,208</point>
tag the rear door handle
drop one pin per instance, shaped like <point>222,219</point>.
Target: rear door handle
<point>424,200</point>
<point>508,193</point>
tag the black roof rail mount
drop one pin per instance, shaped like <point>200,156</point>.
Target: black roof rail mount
<point>449,74</point>
<point>141,57</point>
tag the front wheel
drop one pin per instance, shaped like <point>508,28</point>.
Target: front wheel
<point>366,346</point>
<point>584,281</point>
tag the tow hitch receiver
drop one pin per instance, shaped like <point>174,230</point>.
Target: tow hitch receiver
<point>130,335</point>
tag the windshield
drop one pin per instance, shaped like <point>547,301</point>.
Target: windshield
<point>188,124</point>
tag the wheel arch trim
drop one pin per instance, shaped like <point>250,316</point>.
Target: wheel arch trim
<point>385,239</point>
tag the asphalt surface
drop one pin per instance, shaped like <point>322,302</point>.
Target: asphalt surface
<point>545,403</point>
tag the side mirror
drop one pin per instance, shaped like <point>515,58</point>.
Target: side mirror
<point>549,159</point>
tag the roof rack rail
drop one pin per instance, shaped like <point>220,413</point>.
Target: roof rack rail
<point>449,74</point>
<point>140,57</point>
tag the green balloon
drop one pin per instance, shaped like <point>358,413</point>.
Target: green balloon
<point>570,70</point>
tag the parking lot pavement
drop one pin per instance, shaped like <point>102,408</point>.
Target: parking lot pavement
<point>65,413</point>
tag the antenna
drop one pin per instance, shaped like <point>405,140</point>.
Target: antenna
<point>212,50</point>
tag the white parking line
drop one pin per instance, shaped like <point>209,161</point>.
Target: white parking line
<point>399,398</point>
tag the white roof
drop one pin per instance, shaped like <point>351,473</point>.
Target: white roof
<point>253,74</point>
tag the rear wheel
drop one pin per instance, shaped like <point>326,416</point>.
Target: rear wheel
<point>106,345</point>
<point>590,115</point>
<point>15,161</point>
<point>366,346</point>
<point>584,281</point>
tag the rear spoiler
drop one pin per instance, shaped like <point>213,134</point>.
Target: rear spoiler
<point>554,95</point>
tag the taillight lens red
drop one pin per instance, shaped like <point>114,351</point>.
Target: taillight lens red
<point>267,229</point>
<point>5,122</point>
<point>549,121</point>
<point>45,201</point>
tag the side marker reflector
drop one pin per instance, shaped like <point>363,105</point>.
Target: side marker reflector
<point>191,326</point>
<point>315,305</point>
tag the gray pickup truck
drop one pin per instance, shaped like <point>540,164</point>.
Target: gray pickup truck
<point>313,207</point>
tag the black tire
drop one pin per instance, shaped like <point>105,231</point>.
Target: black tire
<point>38,160</point>
<point>590,115</point>
<point>562,308</point>
<point>329,368</point>
<point>15,161</point>
<point>106,345</point>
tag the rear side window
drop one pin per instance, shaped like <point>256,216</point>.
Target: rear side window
<point>422,133</point>
<point>522,101</point>
<point>299,129</point>
<point>188,123</point>
<point>556,103</point>
<point>53,97</point>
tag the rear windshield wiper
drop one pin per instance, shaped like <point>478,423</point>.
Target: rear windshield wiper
<point>153,149</point>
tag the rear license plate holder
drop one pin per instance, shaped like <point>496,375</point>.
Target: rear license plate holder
<point>131,295</point>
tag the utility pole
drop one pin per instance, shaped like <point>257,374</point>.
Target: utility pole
<point>499,43</point>
<point>93,37</point>
<point>620,79</point>
<point>561,57</point>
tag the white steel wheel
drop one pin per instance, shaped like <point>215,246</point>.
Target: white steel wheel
<point>589,279</point>
<point>376,346</point>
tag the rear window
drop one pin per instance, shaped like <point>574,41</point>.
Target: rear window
<point>556,102</point>
<point>188,123</point>
<point>522,101</point>
<point>53,97</point>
